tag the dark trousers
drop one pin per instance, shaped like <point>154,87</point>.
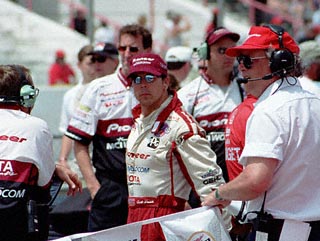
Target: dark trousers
<point>109,207</point>
<point>274,227</point>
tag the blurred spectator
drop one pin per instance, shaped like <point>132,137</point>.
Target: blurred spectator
<point>104,33</point>
<point>142,20</point>
<point>60,72</point>
<point>259,15</point>
<point>93,63</point>
<point>175,25</point>
<point>179,63</point>
<point>80,22</point>
<point>105,56</point>
<point>310,32</point>
<point>310,60</point>
<point>213,24</point>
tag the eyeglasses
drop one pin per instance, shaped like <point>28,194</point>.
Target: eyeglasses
<point>175,65</point>
<point>131,49</point>
<point>149,78</point>
<point>222,50</point>
<point>99,59</point>
<point>247,60</point>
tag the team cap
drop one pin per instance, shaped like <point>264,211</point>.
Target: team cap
<point>261,37</point>
<point>148,63</point>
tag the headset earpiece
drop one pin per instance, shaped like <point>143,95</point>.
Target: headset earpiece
<point>204,51</point>
<point>28,93</point>
<point>281,60</point>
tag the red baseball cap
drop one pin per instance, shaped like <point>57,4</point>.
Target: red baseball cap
<point>261,37</point>
<point>217,34</point>
<point>60,53</point>
<point>148,63</point>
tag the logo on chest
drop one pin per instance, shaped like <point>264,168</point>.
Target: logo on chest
<point>154,142</point>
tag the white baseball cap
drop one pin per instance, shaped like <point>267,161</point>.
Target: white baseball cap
<point>179,54</point>
<point>309,52</point>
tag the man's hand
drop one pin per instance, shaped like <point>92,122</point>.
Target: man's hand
<point>70,177</point>
<point>210,200</point>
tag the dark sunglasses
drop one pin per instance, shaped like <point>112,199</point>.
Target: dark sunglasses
<point>175,65</point>
<point>149,78</point>
<point>247,61</point>
<point>99,59</point>
<point>131,49</point>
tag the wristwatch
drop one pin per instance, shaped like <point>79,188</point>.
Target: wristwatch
<point>217,196</point>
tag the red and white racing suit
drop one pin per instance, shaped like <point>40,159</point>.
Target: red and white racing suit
<point>167,156</point>
<point>211,105</point>
<point>104,117</point>
<point>26,169</point>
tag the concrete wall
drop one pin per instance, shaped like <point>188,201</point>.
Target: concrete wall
<point>48,107</point>
<point>30,39</point>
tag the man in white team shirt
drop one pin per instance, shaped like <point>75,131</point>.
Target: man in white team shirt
<point>281,151</point>
<point>26,157</point>
<point>93,62</point>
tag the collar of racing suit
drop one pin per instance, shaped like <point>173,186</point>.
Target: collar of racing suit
<point>210,81</point>
<point>175,102</point>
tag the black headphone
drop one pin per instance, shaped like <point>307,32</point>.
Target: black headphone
<point>282,59</point>
<point>28,93</point>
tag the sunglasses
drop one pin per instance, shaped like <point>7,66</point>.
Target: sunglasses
<point>175,65</point>
<point>99,59</point>
<point>131,49</point>
<point>247,61</point>
<point>149,78</point>
<point>222,50</point>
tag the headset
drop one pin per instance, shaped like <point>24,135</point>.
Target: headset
<point>282,59</point>
<point>204,50</point>
<point>28,93</point>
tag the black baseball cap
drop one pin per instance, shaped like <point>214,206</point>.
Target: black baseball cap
<point>105,49</point>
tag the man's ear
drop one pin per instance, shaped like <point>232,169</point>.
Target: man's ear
<point>166,81</point>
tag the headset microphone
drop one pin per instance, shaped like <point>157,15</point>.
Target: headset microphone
<point>246,80</point>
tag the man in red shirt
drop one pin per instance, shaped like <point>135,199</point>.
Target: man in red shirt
<point>60,72</point>
<point>235,135</point>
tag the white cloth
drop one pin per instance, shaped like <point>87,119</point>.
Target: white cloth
<point>285,126</point>
<point>108,99</point>
<point>104,34</point>
<point>33,146</point>
<point>201,98</point>
<point>68,107</point>
<point>185,226</point>
<point>310,85</point>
